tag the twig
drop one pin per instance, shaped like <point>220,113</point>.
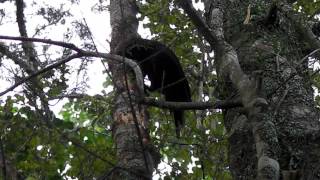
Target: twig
<point>45,41</point>
<point>80,53</point>
<point>40,72</point>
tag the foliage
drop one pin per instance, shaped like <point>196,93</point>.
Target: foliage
<point>80,144</point>
<point>311,8</point>
<point>44,153</point>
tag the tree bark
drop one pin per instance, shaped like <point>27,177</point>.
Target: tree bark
<point>284,133</point>
<point>136,155</point>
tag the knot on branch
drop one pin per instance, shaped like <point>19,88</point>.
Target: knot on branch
<point>268,168</point>
<point>258,102</point>
<point>255,106</point>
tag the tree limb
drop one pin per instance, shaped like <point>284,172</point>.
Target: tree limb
<point>220,104</point>
<point>80,53</point>
<point>26,46</point>
<point>45,41</point>
<point>199,23</point>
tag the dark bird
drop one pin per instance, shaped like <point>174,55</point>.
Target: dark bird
<point>163,69</point>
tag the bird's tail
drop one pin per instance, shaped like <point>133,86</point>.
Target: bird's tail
<point>179,121</point>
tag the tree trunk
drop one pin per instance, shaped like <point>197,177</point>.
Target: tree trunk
<point>136,156</point>
<point>271,52</point>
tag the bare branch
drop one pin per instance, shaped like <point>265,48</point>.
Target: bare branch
<point>80,53</point>
<point>45,41</point>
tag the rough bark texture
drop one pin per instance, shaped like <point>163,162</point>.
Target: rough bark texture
<point>249,88</point>
<point>287,130</point>
<point>136,156</point>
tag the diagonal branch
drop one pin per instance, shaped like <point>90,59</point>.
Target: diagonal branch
<point>80,53</point>
<point>226,57</point>
<point>57,64</point>
<point>198,22</point>
<point>45,41</point>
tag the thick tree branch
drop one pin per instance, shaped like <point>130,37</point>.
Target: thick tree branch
<point>220,104</point>
<point>226,57</point>
<point>20,18</point>
<point>284,83</point>
<point>199,23</point>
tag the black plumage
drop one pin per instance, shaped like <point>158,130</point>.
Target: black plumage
<point>163,69</point>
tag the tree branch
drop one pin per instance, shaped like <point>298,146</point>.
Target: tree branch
<point>199,23</point>
<point>27,47</point>
<point>220,104</point>
<point>80,53</point>
<point>45,41</point>
<point>226,57</point>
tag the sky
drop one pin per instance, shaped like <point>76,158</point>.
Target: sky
<point>101,32</point>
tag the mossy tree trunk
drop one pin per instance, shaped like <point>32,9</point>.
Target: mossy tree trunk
<point>280,139</point>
